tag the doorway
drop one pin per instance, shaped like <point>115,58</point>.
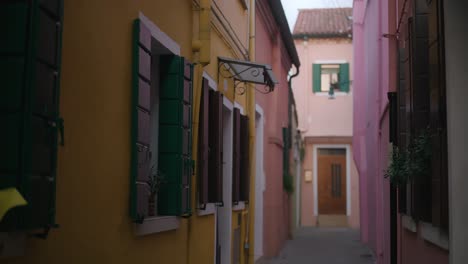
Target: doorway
<point>331,185</point>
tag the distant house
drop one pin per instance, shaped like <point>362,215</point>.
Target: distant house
<point>323,93</point>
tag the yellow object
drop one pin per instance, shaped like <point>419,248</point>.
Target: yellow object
<point>10,198</point>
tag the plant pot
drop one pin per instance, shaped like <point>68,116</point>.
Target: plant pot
<point>151,206</point>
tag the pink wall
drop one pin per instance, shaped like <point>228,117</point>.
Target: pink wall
<point>375,75</point>
<point>276,213</point>
<point>315,110</point>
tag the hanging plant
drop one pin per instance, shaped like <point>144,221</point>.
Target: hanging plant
<point>414,162</point>
<point>288,184</point>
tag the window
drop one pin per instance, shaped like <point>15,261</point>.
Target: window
<point>29,109</point>
<point>330,76</point>
<point>161,130</point>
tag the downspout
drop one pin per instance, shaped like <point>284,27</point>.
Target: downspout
<point>201,56</point>
<point>249,236</point>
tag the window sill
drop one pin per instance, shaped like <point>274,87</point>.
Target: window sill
<point>434,235</point>
<point>408,223</point>
<point>156,224</point>
<point>240,206</point>
<point>335,93</point>
<point>209,210</point>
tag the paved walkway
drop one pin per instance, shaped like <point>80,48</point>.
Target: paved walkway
<point>324,246</point>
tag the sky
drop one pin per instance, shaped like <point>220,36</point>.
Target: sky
<point>291,7</point>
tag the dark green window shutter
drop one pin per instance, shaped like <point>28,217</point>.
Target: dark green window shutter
<point>317,77</point>
<point>175,136</point>
<point>215,175</point>
<point>245,162</point>
<point>236,168</point>
<point>203,149</point>
<point>30,55</point>
<point>344,77</point>
<point>141,116</point>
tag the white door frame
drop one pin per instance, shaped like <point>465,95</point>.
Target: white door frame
<point>348,174</point>
<point>224,214</point>
<point>259,182</point>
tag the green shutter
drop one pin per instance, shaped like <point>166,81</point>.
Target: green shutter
<point>141,123</point>
<point>344,77</point>
<point>30,58</point>
<point>175,136</point>
<point>317,77</point>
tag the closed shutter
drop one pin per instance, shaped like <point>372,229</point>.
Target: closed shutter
<point>344,77</point>
<point>438,116</point>
<point>245,161</point>
<point>236,166</point>
<point>393,107</point>
<point>30,56</point>
<point>215,184</point>
<point>203,148</point>
<point>316,78</point>
<point>175,136</point>
<point>420,107</point>
<point>402,120</point>
<point>141,116</point>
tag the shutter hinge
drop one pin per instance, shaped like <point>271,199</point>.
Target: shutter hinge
<point>45,232</point>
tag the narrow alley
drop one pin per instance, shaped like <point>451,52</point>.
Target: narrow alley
<point>233,132</point>
<point>324,246</point>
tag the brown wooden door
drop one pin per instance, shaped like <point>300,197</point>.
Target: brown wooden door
<point>331,181</point>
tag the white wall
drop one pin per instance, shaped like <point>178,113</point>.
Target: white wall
<point>456,43</point>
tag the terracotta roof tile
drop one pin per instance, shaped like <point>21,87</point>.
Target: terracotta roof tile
<point>324,22</point>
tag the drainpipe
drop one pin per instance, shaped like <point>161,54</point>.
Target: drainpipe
<point>205,32</point>
<point>201,56</point>
<point>249,236</point>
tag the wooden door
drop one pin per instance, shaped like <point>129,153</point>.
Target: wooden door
<point>331,181</point>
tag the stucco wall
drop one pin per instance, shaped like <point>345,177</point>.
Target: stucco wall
<point>456,41</point>
<point>318,115</point>
<point>276,210</point>
<point>94,165</point>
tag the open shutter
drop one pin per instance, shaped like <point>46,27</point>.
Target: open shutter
<point>316,77</point>
<point>236,166</point>
<point>30,69</point>
<point>344,77</point>
<point>175,136</point>
<point>245,164</point>
<point>141,116</point>
<point>393,107</point>
<point>203,149</point>
<point>402,120</point>
<point>215,184</point>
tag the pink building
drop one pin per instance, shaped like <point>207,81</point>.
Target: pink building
<point>274,46</point>
<point>400,94</point>
<point>324,96</point>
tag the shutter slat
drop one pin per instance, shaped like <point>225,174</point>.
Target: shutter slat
<point>203,135</point>
<point>236,157</point>
<point>215,183</point>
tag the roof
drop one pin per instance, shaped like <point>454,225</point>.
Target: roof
<point>280,17</point>
<point>323,23</point>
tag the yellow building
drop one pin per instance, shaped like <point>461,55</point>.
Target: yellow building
<point>102,104</point>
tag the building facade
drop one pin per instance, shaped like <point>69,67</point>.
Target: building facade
<point>406,124</point>
<point>323,93</point>
<point>111,119</point>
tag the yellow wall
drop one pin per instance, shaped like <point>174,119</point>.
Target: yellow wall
<point>94,165</point>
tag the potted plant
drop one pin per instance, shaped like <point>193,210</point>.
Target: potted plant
<point>414,162</point>
<point>154,182</point>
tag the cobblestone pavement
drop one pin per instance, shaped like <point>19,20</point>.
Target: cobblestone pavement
<point>324,246</point>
